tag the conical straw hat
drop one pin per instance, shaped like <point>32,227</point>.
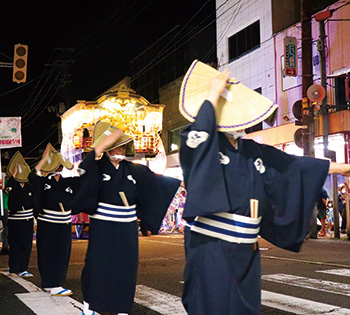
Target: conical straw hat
<point>102,130</point>
<point>54,160</point>
<point>242,108</point>
<point>23,168</point>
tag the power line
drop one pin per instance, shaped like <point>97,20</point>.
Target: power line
<point>181,41</point>
<point>47,136</point>
<point>164,49</point>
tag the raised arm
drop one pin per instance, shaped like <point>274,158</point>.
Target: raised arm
<point>43,159</point>
<point>339,168</point>
<point>217,86</point>
<point>111,137</point>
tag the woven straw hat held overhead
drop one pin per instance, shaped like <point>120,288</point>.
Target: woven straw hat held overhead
<point>23,168</point>
<point>54,161</point>
<point>239,107</point>
<point>103,129</point>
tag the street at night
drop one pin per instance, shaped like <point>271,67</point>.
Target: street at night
<point>314,281</point>
<point>126,125</point>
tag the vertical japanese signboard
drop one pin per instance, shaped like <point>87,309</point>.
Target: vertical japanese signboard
<point>290,56</point>
<point>10,132</point>
<point>10,137</point>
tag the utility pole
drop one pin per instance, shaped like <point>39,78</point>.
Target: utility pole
<point>320,18</point>
<point>307,81</point>
<point>307,77</point>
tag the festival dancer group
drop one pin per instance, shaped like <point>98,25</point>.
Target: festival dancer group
<point>236,189</point>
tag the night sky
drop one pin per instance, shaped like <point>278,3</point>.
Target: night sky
<point>77,50</point>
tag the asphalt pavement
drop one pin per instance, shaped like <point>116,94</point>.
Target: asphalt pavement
<point>19,296</point>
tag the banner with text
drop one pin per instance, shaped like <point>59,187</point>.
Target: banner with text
<point>10,132</point>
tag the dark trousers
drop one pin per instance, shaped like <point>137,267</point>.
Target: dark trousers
<point>54,242</point>
<point>220,277</point>
<point>343,223</point>
<point>21,240</point>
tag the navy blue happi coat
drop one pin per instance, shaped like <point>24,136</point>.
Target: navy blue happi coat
<point>110,272</point>
<point>222,274</point>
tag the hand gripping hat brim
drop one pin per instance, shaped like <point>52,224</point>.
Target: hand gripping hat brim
<point>102,130</point>
<point>239,109</point>
<point>54,161</point>
<point>23,168</point>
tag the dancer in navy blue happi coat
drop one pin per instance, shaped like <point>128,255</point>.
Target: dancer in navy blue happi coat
<point>21,217</point>
<point>225,178</point>
<point>116,192</point>
<point>53,195</point>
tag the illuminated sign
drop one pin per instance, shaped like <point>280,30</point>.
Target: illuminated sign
<point>290,56</point>
<point>10,132</point>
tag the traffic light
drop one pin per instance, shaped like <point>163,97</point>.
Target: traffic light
<point>20,63</point>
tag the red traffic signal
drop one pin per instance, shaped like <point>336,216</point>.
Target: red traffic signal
<point>20,63</point>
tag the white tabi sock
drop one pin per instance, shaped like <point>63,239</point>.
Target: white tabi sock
<point>87,311</point>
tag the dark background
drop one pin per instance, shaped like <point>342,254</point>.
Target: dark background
<point>77,50</point>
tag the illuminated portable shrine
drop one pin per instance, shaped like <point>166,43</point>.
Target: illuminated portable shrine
<point>121,107</point>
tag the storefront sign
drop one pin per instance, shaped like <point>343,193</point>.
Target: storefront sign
<point>291,58</point>
<point>289,82</point>
<point>10,132</point>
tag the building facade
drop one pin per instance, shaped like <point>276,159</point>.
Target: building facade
<point>250,44</point>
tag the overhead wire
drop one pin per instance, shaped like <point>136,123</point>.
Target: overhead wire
<point>35,109</point>
<point>165,48</point>
<point>82,24</point>
<point>29,117</point>
<point>229,23</point>
<point>106,22</point>
<point>104,38</point>
<point>46,137</point>
<point>8,57</point>
<point>180,42</point>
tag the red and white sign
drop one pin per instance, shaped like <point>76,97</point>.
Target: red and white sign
<point>290,56</point>
<point>10,132</point>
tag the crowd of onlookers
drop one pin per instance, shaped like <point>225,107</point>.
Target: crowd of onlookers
<point>325,211</point>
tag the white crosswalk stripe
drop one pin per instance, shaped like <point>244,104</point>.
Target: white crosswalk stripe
<point>42,303</point>
<point>338,272</point>
<point>161,302</point>
<point>309,283</point>
<point>164,303</point>
<point>299,306</point>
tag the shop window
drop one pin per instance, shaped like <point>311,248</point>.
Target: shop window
<point>258,126</point>
<point>244,41</point>
<point>174,137</point>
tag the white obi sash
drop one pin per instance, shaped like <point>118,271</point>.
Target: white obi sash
<point>56,216</point>
<point>109,212</point>
<point>22,215</point>
<point>229,227</point>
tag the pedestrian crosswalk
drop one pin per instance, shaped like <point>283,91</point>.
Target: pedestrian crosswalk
<point>302,306</point>
<point>338,272</point>
<point>309,283</point>
<point>42,303</point>
<point>159,301</point>
<point>164,303</point>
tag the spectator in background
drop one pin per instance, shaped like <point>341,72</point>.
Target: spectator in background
<point>4,218</point>
<point>321,210</point>
<point>342,191</point>
<point>330,218</point>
